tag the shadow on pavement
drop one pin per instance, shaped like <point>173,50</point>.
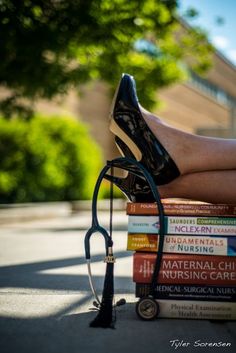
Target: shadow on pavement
<point>29,276</point>
<point>63,332</point>
<point>72,334</point>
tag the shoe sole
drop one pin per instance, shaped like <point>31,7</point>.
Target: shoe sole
<point>116,130</point>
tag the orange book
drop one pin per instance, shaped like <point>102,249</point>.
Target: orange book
<point>186,269</point>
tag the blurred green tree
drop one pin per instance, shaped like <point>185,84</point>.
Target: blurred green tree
<point>47,159</point>
<point>47,46</point>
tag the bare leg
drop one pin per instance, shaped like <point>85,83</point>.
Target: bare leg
<point>211,186</point>
<point>193,153</point>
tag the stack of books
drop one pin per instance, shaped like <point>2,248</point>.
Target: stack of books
<point>197,278</point>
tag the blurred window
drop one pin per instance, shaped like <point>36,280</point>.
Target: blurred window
<point>211,89</point>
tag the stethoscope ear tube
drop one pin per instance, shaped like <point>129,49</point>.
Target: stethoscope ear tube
<point>91,282</point>
<point>90,232</point>
<point>96,228</point>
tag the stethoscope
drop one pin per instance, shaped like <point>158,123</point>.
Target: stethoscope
<point>126,164</point>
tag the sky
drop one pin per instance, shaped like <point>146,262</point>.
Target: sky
<point>223,35</point>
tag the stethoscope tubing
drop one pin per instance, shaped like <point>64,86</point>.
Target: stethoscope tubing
<point>123,163</point>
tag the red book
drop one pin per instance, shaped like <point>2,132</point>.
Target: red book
<point>186,269</point>
<point>180,208</point>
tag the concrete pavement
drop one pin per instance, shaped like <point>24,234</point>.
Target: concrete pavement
<point>45,298</point>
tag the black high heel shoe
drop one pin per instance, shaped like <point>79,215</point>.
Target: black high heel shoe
<point>129,125</point>
<point>134,185</point>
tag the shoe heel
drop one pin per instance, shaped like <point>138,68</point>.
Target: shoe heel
<point>121,184</point>
<point>116,180</point>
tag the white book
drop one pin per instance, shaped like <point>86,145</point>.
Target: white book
<point>196,309</point>
<point>183,225</point>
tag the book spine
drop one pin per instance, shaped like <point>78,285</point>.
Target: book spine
<point>201,225</point>
<point>197,310</point>
<point>183,225</point>
<point>187,209</point>
<point>199,245</point>
<point>183,269</point>
<point>187,292</point>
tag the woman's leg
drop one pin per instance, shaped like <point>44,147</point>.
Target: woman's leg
<point>193,153</point>
<point>211,186</point>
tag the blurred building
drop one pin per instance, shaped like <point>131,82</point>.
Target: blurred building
<point>202,106</point>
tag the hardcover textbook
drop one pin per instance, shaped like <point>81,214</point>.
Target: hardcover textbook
<point>186,269</point>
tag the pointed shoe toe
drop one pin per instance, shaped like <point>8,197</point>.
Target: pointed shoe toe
<point>128,124</point>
